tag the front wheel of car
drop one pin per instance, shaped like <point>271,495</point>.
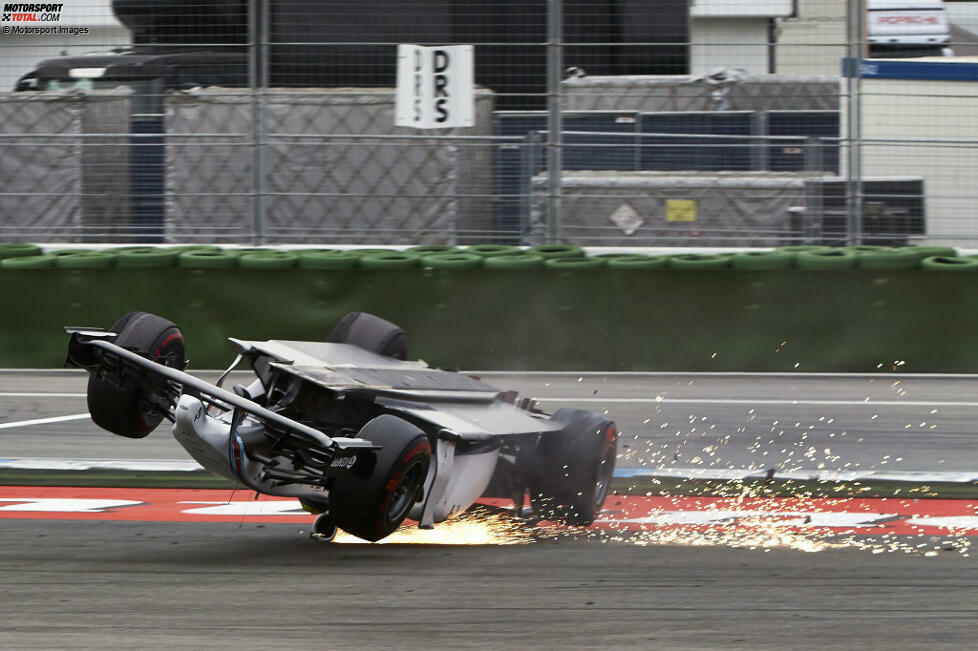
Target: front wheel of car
<point>574,468</point>
<point>373,507</point>
<point>120,404</point>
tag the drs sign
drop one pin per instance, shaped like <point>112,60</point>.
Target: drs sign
<point>434,87</point>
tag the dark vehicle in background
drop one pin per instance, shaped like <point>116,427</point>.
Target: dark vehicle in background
<point>336,44</point>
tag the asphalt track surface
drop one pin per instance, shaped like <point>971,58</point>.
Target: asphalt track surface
<point>114,584</point>
<point>172,585</point>
<point>885,422</point>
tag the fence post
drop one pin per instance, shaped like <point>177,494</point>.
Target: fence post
<point>257,80</point>
<point>855,36</point>
<point>555,58</point>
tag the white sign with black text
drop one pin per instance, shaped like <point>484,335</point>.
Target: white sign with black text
<point>435,86</point>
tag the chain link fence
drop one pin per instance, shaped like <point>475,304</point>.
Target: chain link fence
<point>602,123</point>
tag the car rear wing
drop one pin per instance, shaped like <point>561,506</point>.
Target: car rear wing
<point>92,348</point>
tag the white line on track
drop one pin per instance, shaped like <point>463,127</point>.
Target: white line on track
<point>760,401</point>
<point>39,394</point>
<point>43,421</point>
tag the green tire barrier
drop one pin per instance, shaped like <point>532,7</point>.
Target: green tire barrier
<point>638,261</point>
<point>268,259</point>
<point>365,252</point>
<point>557,251</point>
<point>832,259</point>
<point>867,248</point>
<point>145,257</point>
<point>207,259</point>
<point>18,250</point>
<point>183,248</point>
<point>428,249</point>
<point>940,263</point>
<point>699,262</point>
<point>63,252</point>
<point>886,259</point>
<point>29,262</point>
<point>802,248</point>
<point>330,259</point>
<point>574,263</point>
<point>711,322</point>
<point>491,250</point>
<point>762,260</point>
<point>931,251</point>
<point>514,262</point>
<point>390,260</point>
<point>85,260</point>
<point>458,260</point>
<point>612,256</point>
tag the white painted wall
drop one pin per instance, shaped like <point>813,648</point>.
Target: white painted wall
<point>728,43</point>
<point>814,41</point>
<point>740,8</point>
<point>20,53</point>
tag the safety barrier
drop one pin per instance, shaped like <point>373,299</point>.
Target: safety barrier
<point>496,307</point>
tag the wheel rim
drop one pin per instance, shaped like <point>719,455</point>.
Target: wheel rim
<point>603,483</point>
<point>405,492</point>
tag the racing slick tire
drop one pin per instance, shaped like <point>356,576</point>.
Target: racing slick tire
<point>125,410</point>
<point>575,468</point>
<point>373,507</point>
<point>370,333</point>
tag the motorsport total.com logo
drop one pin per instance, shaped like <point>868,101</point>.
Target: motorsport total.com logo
<point>31,13</point>
<point>29,18</point>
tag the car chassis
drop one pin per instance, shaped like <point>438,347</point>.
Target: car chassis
<point>322,420</point>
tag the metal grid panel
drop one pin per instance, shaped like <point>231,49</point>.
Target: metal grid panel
<point>226,120</point>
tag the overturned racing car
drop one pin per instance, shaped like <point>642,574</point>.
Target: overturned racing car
<point>362,437</point>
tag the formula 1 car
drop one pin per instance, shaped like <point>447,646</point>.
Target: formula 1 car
<point>360,436</point>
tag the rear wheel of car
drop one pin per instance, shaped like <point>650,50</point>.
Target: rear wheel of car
<point>575,468</point>
<point>373,507</point>
<point>125,410</point>
<point>370,333</point>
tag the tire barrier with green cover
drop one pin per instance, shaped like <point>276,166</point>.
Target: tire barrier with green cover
<point>574,263</point>
<point>557,251</point>
<point>699,262</point>
<point>514,262</point>
<point>329,259</point>
<point>491,250</point>
<point>390,260</point>
<point>145,257</point>
<point>802,248</point>
<point>612,318</point>
<point>940,263</point>
<point>867,248</point>
<point>830,260</point>
<point>365,252</point>
<point>29,262</point>
<point>18,250</point>
<point>931,251</point>
<point>183,248</point>
<point>762,260</point>
<point>429,249</point>
<point>886,259</point>
<point>208,259</point>
<point>637,262</point>
<point>457,260</point>
<point>86,260</point>
<point>270,259</point>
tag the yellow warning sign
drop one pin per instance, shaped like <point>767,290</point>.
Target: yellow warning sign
<point>680,210</point>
